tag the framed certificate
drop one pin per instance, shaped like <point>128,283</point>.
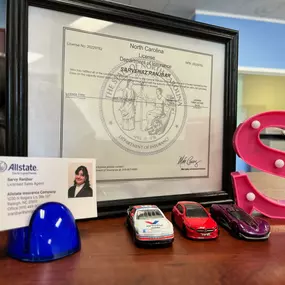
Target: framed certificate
<point>151,97</point>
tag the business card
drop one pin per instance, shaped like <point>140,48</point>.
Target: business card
<point>27,182</point>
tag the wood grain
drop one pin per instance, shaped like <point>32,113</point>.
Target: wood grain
<point>108,256</point>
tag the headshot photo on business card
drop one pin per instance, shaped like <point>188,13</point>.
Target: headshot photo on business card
<point>80,180</point>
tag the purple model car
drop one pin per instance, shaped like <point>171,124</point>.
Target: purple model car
<point>239,223</point>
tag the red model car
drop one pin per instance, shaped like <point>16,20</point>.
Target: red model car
<point>194,221</point>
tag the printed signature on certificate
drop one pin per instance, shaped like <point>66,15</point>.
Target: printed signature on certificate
<point>189,161</point>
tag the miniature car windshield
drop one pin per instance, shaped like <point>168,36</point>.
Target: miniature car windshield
<point>148,214</point>
<point>195,211</point>
<point>241,215</point>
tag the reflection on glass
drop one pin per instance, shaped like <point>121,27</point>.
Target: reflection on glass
<point>89,24</point>
<point>33,56</point>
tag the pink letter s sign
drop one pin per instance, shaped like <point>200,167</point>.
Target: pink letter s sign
<point>249,148</point>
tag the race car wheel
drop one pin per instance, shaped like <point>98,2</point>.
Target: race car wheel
<point>135,241</point>
<point>172,219</point>
<point>127,223</point>
<point>184,231</point>
<point>235,231</point>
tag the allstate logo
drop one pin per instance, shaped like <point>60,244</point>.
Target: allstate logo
<point>3,166</point>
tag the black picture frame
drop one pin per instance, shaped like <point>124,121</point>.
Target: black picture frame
<point>17,82</point>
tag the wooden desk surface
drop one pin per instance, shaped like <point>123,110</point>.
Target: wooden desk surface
<point>108,256</point>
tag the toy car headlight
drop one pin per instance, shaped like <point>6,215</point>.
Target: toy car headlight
<point>267,227</point>
<point>190,228</point>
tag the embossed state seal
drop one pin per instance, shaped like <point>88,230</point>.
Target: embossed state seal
<point>143,106</point>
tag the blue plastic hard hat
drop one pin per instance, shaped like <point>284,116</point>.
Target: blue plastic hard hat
<point>51,234</point>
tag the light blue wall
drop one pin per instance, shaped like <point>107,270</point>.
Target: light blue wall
<point>3,14</point>
<point>241,116</point>
<point>261,44</point>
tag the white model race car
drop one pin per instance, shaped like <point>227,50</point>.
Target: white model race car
<point>149,225</point>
